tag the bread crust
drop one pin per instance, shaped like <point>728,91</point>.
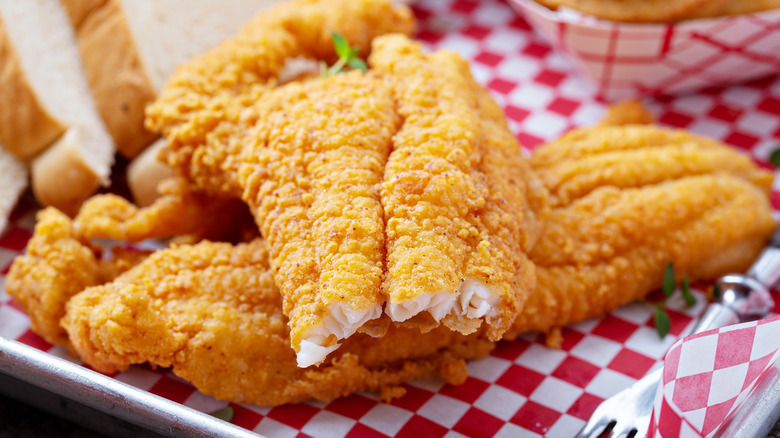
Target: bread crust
<point>26,126</point>
<point>61,177</point>
<point>115,72</point>
<point>145,173</point>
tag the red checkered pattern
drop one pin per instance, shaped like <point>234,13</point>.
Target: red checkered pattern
<point>707,376</point>
<point>523,389</point>
<point>628,59</point>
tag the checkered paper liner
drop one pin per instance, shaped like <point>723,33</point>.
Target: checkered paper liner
<point>523,389</point>
<point>707,377</point>
<point>627,60</point>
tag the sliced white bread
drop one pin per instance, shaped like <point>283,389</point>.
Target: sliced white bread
<point>27,125</point>
<point>146,172</point>
<point>13,180</point>
<point>131,47</point>
<point>80,160</point>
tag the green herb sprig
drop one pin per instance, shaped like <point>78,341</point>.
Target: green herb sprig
<point>347,57</point>
<point>662,321</point>
<point>774,157</point>
<point>225,413</point>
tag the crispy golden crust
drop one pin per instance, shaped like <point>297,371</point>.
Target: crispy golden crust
<point>627,112</point>
<point>177,212</point>
<point>312,175</point>
<point>455,187</point>
<point>736,7</point>
<point>628,200</point>
<point>309,156</point>
<point>208,94</point>
<point>611,247</point>
<point>212,312</point>
<point>56,266</point>
<point>642,10</point>
<point>634,156</point>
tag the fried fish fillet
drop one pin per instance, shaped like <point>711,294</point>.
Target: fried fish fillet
<point>736,7</point>
<point>311,175</point>
<point>460,201</point>
<point>57,265</point>
<point>205,102</point>
<point>626,201</point>
<point>312,159</point>
<point>177,212</point>
<point>585,159</point>
<point>212,312</point>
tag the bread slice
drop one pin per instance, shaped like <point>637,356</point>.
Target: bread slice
<point>131,47</point>
<point>27,125</point>
<point>145,173</point>
<point>80,160</point>
<point>13,180</point>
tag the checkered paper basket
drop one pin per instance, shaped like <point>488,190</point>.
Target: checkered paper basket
<point>627,60</point>
<point>709,375</point>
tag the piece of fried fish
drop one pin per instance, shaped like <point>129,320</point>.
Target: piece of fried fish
<point>398,191</point>
<point>626,201</point>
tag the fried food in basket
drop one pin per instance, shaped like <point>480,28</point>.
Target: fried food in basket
<point>438,229</point>
<point>736,7</point>
<point>626,201</point>
<point>646,11</point>
<point>662,11</point>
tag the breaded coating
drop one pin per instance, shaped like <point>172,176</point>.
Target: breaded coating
<point>311,174</point>
<point>204,100</point>
<point>56,266</point>
<point>213,313</point>
<point>312,160</point>
<point>736,7</point>
<point>178,211</point>
<point>627,112</point>
<point>331,138</point>
<point>634,156</point>
<point>642,197</point>
<point>455,196</point>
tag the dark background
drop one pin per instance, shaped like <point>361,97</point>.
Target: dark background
<point>18,420</point>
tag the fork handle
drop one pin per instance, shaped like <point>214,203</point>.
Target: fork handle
<point>745,297</point>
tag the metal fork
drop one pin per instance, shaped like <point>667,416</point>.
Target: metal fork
<point>743,298</point>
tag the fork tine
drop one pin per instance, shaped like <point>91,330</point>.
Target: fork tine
<point>626,431</point>
<point>594,428</point>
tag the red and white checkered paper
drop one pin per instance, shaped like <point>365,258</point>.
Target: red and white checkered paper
<point>707,377</point>
<point>627,59</point>
<point>523,389</point>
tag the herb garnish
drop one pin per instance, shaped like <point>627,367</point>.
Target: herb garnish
<point>662,321</point>
<point>774,157</point>
<point>225,413</point>
<point>347,57</point>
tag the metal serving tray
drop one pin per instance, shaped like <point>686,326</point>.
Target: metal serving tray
<point>98,402</point>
